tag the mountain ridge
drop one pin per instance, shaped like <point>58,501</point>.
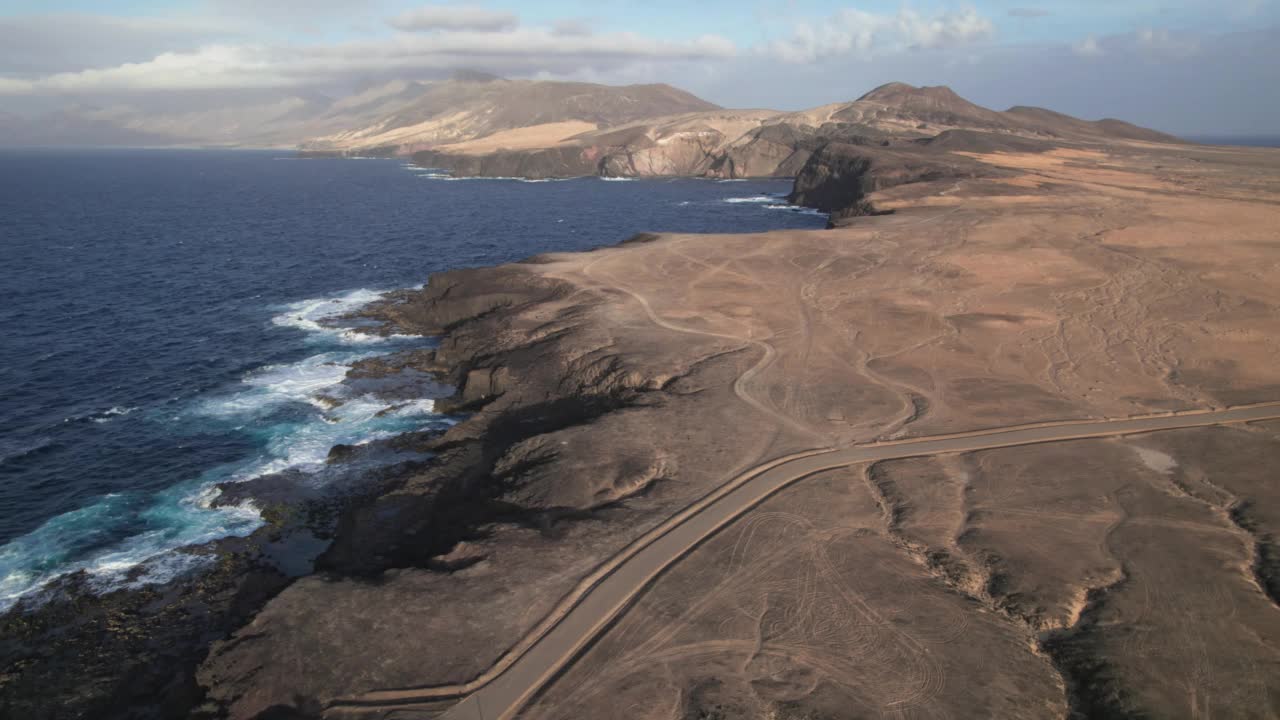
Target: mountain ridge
<point>727,143</point>
<point>473,113</point>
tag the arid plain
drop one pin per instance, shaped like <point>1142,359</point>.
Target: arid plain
<point>1127,576</point>
<point>1130,573</point>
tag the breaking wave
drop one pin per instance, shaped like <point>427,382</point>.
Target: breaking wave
<point>798,209</point>
<point>760,199</point>
<point>295,413</point>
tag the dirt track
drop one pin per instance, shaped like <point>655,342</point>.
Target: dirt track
<point>500,694</point>
<point>794,347</point>
<point>815,397</point>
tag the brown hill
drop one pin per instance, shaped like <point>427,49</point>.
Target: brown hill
<point>1058,124</point>
<point>763,143</point>
<point>940,105</point>
<point>462,110</point>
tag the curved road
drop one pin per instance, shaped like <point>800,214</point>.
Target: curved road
<point>504,689</point>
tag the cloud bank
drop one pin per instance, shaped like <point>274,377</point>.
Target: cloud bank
<point>484,45</point>
<point>454,17</point>
<point>1178,66</point>
<point>852,31</point>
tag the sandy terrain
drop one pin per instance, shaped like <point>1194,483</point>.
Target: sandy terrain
<point>522,138</point>
<point>606,593</point>
<point>1003,452</point>
<point>1121,576</point>
<point>407,116</point>
<point>743,143</point>
<point>1031,582</point>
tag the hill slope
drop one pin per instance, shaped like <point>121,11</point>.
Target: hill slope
<point>758,143</point>
<point>461,110</point>
<point>397,116</point>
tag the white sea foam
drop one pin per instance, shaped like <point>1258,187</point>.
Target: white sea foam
<point>301,380</point>
<point>67,543</point>
<point>183,515</point>
<point>753,199</point>
<point>438,174</point>
<point>269,387</point>
<point>617,179</point>
<point>797,209</point>
<point>338,416</point>
<point>298,410</point>
<point>357,421</point>
<point>160,568</point>
<point>101,417</point>
<point>311,313</point>
<point>107,415</point>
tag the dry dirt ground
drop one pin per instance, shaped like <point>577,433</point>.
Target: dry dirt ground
<point>1136,282</point>
<point>1120,577</point>
<point>1105,577</point>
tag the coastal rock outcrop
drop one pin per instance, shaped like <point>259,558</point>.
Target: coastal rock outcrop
<point>416,116</point>
<point>555,162</point>
<point>838,178</point>
<point>585,405</point>
<point>607,391</point>
<point>578,435</point>
<point>762,143</point>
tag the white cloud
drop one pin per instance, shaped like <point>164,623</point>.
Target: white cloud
<point>945,30</point>
<point>1160,42</point>
<point>32,44</point>
<point>1149,44</point>
<point>570,27</point>
<point>454,17</point>
<point>521,51</point>
<point>1088,47</point>
<point>13,87</point>
<point>844,33</point>
<point>852,31</point>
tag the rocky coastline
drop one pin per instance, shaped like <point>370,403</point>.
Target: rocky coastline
<point>162,651</point>
<point>74,650</point>
<point>145,652</point>
<point>893,124</point>
<point>575,435</point>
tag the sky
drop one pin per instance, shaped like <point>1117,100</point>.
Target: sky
<point>1184,66</point>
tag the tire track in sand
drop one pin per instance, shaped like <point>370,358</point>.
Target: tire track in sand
<point>600,597</point>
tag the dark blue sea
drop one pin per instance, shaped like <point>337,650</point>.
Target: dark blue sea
<point>162,324</point>
<point>1245,140</point>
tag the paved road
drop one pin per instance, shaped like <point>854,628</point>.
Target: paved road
<point>502,691</point>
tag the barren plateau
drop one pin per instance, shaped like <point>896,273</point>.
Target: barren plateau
<point>1132,573</point>
<point>997,443</point>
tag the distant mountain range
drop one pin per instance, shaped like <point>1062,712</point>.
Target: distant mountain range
<point>398,113</point>
<point>485,124</point>
<point>741,143</point>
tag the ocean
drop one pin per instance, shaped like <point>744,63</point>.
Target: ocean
<point>1242,140</point>
<point>163,325</point>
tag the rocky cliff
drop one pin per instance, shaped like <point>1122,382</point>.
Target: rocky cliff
<point>763,143</point>
<point>578,437</point>
<point>607,389</point>
<point>463,110</point>
<point>838,178</point>
<point>586,410</point>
